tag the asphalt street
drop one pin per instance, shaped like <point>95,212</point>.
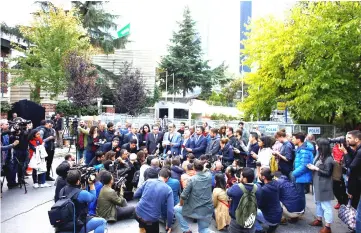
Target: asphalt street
<point>28,212</point>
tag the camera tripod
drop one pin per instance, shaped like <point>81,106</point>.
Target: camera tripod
<point>22,179</point>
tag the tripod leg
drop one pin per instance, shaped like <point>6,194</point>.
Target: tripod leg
<point>2,184</point>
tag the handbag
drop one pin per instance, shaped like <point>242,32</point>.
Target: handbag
<point>347,214</point>
<point>41,149</point>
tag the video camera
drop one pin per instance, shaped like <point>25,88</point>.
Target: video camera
<point>18,125</point>
<point>86,173</point>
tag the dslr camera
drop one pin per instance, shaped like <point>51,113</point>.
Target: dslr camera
<point>338,140</point>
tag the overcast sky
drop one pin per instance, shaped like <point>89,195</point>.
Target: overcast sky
<point>153,22</point>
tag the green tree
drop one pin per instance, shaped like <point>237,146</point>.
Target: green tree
<point>98,22</point>
<point>311,60</point>
<point>53,35</point>
<point>185,60</point>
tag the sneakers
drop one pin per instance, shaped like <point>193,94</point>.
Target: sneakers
<point>316,223</point>
<point>283,221</point>
<point>35,186</point>
<point>325,230</point>
<point>337,206</point>
<point>45,185</point>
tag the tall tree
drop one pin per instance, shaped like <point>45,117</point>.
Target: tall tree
<point>97,22</point>
<point>83,87</point>
<point>185,59</point>
<point>311,60</point>
<point>129,92</point>
<point>53,35</point>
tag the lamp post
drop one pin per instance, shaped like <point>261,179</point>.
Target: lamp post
<point>242,73</point>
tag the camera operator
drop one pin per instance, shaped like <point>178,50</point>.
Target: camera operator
<point>81,200</point>
<point>123,162</point>
<point>7,161</point>
<point>353,163</point>
<point>47,133</point>
<point>20,154</point>
<point>62,171</point>
<point>110,206</point>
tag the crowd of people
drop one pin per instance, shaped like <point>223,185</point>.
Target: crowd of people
<point>244,180</point>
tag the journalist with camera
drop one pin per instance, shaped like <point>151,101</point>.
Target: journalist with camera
<point>80,198</point>
<point>62,172</point>
<point>19,130</point>
<point>353,165</point>
<point>111,206</point>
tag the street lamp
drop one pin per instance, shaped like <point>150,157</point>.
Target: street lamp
<point>242,73</point>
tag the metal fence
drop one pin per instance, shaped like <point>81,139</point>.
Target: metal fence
<point>265,127</point>
<point>270,128</point>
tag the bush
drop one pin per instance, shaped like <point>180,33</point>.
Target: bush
<point>221,116</point>
<point>69,109</point>
<point>5,107</point>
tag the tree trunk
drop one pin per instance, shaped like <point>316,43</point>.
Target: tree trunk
<point>184,92</point>
<point>333,115</point>
<point>35,94</point>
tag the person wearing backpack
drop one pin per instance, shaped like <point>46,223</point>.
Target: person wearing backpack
<point>245,198</point>
<point>269,210</point>
<point>61,216</point>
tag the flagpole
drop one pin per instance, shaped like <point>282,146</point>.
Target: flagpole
<point>173,88</point>
<point>166,85</point>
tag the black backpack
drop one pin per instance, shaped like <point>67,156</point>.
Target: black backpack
<point>136,178</point>
<point>63,211</point>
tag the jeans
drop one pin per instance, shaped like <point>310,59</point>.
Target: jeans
<point>89,155</point>
<point>235,228</point>
<point>358,218</point>
<point>324,210</point>
<point>80,153</point>
<point>300,187</point>
<point>261,220</point>
<point>125,212</point>
<point>95,224</point>
<point>203,222</point>
<point>38,178</point>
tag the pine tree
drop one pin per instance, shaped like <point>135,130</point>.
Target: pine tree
<point>185,59</point>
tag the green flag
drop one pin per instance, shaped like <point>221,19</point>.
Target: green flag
<point>124,31</point>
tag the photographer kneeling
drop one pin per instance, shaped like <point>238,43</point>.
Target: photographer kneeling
<point>81,200</point>
<point>110,206</point>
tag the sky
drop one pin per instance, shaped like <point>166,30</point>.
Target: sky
<point>153,22</point>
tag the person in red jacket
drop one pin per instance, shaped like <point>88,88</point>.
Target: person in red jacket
<point>34,141</point>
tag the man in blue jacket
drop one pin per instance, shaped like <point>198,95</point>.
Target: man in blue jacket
<point>199,143</point>
<point>154,194</point>
<point>301,175</point>
<point>81,199</point>
<point>269,210</point>
<point>292,204</point>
